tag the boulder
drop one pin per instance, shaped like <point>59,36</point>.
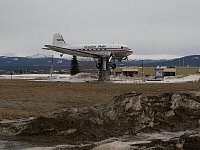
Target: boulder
<point>184,142</point>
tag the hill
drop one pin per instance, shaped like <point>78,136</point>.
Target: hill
<point>42,64</point>
<point>187,61</point>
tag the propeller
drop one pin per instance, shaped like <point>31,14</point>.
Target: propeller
<point>111,56</point>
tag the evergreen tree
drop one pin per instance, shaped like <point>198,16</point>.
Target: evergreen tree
<point>74,66</point>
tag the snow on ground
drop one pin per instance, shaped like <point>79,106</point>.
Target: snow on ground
<point>141,138</point>
<point>124,142</point>
<point>25,76</point>
<point>86,77</point>
<point>179,79</point>
<point>194,77</point>
<point>81,77</point>
<point>171,79</point>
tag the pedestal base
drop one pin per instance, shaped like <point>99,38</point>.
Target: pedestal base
<point>104,75</point>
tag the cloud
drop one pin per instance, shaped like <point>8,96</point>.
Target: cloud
<point>147,26</point>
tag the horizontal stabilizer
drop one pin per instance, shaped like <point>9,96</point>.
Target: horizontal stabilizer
<point>46,48</point>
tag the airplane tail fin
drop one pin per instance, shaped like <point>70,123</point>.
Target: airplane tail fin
<point>58,40</point>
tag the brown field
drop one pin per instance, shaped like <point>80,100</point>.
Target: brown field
<point>20,98</point>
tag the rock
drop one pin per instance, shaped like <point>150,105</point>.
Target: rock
<point>128,113</point>
<point>185,142</point>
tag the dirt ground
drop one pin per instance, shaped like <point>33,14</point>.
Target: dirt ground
<point>22,99</point>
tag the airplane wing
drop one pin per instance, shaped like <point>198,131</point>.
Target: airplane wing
<point>70,51</point>
<point>75,52</point>
<point>59,45</point>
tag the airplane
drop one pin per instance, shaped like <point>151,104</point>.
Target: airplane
<point>107,52</point>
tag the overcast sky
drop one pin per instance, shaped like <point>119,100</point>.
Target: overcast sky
<point>149,27</point>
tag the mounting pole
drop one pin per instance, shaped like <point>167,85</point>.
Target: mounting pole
<point>104,70</point>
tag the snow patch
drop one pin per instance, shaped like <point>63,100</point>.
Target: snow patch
<point>171,79</point>
<point>39,56</point>
<point>154,57</point>
<point>87,77</point>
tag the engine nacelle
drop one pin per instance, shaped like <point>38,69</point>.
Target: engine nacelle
<point>104,54</point>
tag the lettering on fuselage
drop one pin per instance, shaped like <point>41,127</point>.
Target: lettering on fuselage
<point>101,46</point>
<point>93,46</point>
<point>89,46</point>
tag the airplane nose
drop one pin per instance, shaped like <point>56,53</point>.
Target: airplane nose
<point>130,51</point>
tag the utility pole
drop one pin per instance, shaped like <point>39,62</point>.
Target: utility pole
<point>142,70</point>
<point>51,69</point>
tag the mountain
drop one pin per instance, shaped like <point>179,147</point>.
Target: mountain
<point>187,61</point>
<point>42,63</point>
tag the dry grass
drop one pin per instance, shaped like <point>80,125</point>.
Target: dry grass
<point>13,113</point>
<point>20,98</point>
